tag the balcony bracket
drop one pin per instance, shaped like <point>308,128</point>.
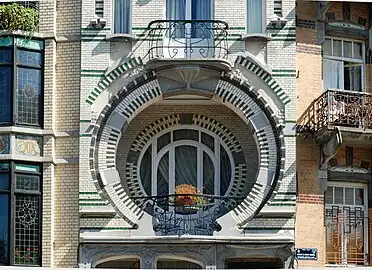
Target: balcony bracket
<point>329,147</point>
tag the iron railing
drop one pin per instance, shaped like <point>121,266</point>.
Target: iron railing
<point>180,39</point>
<point>198,218</point>
<point>337,108</point>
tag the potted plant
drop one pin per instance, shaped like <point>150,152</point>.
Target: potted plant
<point>15,17</point>
<point>187,198</point>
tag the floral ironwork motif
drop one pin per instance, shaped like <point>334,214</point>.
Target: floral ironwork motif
<point>337,108</point>
<point>27,214</point>
<point>187,39</point>
<point>173,218</point>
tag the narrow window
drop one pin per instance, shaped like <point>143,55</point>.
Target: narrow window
<point>122,16</point>
<point>255,16</point>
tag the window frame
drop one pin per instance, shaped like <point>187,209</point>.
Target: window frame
<point>13,192</point>
<point>264,15</point>
<point>357,61</point>
<point>14,48</point>
<point>130,22</point>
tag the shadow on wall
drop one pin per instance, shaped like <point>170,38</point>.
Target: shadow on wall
<point>142,2</point>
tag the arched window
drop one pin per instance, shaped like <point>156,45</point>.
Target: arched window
<point>186,155</point>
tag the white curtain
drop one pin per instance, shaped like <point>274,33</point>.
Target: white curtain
<point>122,16</point>
<point>255,16</point>
<point>332,74</point>
<point>333,78</point>
<point>353,78</point>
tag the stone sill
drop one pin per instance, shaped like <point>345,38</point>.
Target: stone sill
<point>255,37</point>
<point>120,37</point>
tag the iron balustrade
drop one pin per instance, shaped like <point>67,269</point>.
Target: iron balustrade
<point>172,218</point>
<point>191,39</point>
<point>337,108</point>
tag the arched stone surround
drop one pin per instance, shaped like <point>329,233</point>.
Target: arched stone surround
<point>230,91</point>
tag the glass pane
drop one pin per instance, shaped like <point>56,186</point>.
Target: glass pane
<point>5,55</point>
<point>186,134</point>
<point>329,195</point>
<point>5,94</point>
<point>4,181</point>
<point>29,96</point>
<point>27,168</point>
<point>327,50</point>
<point>208,175</point>
<point>29,58</point>
<point>207,140</point>
<point>359,196</point>
<point>349,196</point>
<point>163,141</point>
<point>337,47</point>
<point>122,16</point>
<point>353,77</point>
<point>163,176</point>
<point>146,171</point>
<point>27,221</point>
<point>4,228</point>
<point>176,9</point>
<point>254,16</point>
<point>186,165</point>
<point>358,53</point>
<point>225,167</point>
<point>339,195</point>
<point>348,47</point>
<point>201,10</point>
<point>27,182</point>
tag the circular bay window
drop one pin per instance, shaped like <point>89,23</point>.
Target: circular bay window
<point>200,153</point>
<point>186,155</point>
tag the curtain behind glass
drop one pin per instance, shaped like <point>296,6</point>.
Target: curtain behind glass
<point>353,78</point>
<point>332,72</point>
<point>176,9</point>
<point>122,16</point>
<point>186,165</point>
<point>254,16</point>
<point>201,10</point>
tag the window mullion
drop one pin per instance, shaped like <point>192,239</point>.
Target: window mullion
<point>217,167</point>
<point>172,168</point>
<point>199,168</point>
<point>12,214</point>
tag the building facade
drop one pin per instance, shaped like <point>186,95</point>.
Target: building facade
<point>112,106</point>
<point>334,147</point>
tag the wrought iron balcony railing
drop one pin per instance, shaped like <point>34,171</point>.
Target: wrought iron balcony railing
<point>193,215</point>
<point>191,39</point>
<point>337,108</point>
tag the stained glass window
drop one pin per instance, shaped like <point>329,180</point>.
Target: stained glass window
<point>21,81</point>
<point>23,236</point>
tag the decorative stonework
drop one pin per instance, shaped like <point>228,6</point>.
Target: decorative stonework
<point>28,145</point>
<point>231,91</point>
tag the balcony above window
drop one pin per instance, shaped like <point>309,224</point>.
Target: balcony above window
<point>187,40</point>
<point>348,111</point>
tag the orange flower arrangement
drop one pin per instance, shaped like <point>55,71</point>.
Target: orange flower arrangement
<point>188,195</point>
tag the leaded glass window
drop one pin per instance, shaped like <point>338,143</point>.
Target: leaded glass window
<point>186,155</point>
<point>20,200</point>
<point>21,77</point>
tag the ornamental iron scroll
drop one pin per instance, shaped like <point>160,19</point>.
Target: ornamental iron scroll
<point>172,218</point>
<point>337,108</point>
<point>187,39</point>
